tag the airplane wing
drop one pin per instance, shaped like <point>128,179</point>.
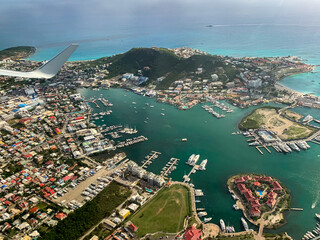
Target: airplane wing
<point>47,70</point>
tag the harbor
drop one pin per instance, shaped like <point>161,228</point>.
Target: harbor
<point>203,137</point>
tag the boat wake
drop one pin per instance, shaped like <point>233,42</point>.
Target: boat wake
<point>314,204</point>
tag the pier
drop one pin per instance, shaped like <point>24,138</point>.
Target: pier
<point>259,150</point>
<point>296,209</point>
<point>266,148</point>
<point>186,178</point>
<point>169,169</point>
<point>94,101</point>
<point>149,160</point>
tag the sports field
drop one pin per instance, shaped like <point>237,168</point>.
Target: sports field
<point>165,212</point>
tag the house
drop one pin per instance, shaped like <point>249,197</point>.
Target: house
<point>61,216</point>
<point>133,227</point>
<point>33,210</point>
<point>123,213</point>
<point>192,233</point>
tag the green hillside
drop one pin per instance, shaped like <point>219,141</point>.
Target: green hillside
<point>155,63</point>
<point>17,52</point>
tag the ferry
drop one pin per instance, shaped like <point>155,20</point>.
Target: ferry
<point>222,225</point>
<point>245,224</point>
<point>205,220</point>
<point>203,165</point>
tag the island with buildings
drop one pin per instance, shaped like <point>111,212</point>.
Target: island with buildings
<point>263,199</point>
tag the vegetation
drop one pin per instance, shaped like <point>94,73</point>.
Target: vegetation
<point>17,52</point>
<point>254,120</point>
<point>160,62</point>
<point>82,219</point>
<point>165,212</point>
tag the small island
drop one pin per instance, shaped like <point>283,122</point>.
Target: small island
<point>261,198</point>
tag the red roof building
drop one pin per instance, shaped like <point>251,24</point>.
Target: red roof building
<point>276,185</point>
<point>242,188</point>
<point>57,130</point>
<point>34,210</point>
<point>61,216</point>
<point>133,227</point>
<point>192,234</point>
<point>255,212</point>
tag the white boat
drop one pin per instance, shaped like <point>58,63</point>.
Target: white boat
<point>162,114</point>
<point>202,214</point>
<point>245,224</point>
<point>222,225</point>
<point>190,159</point>
<point>318,216</point>
<point>205,220</point>
<point>203,164</point>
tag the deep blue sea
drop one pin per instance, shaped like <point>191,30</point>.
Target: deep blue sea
<point>232,40</point>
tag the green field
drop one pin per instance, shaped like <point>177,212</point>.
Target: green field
<point>165,212</point>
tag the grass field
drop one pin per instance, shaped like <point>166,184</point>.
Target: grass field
<point>270,119</point>
<point>165,212</point>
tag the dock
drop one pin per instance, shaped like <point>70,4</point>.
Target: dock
<point>169,169</point>
<point>94,101</point>
<point>186,178</point>
<point>266,148</point>
<point>149,160</point>
<point>296,209</point>
<point>259,150</point>
<point>315,142</point>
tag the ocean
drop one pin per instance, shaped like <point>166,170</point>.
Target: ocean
<point>227,154</point>
<point>231,40</point>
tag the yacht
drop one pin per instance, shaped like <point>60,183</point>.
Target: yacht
<point>222,225</point>
<point>245,224</point>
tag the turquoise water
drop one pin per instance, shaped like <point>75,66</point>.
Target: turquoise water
<point>232,40</point>
<point>227,155</point>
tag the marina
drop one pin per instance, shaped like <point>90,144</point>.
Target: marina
<point>170,166</point>
<point>149,158</point>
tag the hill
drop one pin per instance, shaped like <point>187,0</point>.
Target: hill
<point>160,62</point>
<point>17,52</point>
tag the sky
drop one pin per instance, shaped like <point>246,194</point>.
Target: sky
<point>24,19</point>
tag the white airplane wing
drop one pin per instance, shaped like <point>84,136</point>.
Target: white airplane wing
<point>47,70</point>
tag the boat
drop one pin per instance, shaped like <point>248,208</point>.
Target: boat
<point>222,225</point>
<point>203,165</point>
<point>245,224</point>
<point>205,220</point>
<point>162,114</point>
<point>202,214</point>
<point>184,139</point>
<point>190,159</point>
<point>318,216</point>
<point>235,206</point>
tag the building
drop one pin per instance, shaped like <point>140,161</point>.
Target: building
<point>192,233</point>
<point>124,213</point>
<point>255,83</point>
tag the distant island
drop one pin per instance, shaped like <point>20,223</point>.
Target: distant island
<point>261,198</point>
<point>17,52</point>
